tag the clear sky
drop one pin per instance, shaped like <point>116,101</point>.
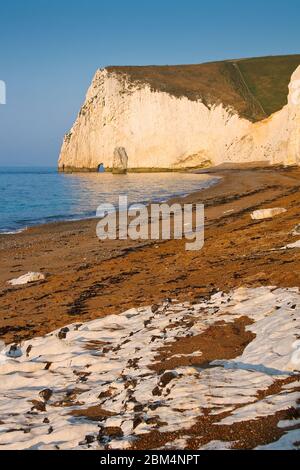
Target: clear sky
<point>50,49</point>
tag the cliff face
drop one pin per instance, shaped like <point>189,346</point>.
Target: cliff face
<point>160,130</point>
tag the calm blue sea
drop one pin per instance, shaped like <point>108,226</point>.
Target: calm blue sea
<point>31,196</point>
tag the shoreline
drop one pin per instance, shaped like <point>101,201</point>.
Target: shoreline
<point>217,171</point>
<point>68,169</point>
<point>92,215</point>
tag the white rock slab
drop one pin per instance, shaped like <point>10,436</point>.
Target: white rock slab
<point>27,278</point>
<point>107,364</point>
<point>292,246</point>
<point>267,213</point>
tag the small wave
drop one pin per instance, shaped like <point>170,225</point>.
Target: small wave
<point>13,232</point>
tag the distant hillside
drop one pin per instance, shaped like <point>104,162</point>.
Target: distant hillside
<point>255,88</point>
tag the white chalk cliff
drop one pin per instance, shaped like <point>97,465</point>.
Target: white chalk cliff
<point>159,130</point>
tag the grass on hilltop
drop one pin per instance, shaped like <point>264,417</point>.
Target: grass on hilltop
<point>255,87</point>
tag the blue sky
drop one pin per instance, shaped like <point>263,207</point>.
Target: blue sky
<point>50,49</point>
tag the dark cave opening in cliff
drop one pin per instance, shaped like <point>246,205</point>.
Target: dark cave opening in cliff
<point>101,168</point>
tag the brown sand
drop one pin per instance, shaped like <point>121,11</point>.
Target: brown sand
<point>87,279</point>
<point>219,341</point>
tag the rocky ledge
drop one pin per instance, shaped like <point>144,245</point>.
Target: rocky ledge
<point>220,374</point>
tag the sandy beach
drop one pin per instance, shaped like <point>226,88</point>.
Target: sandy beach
<point>88,280</point>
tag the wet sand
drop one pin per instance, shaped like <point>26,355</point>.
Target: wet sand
<point>87,278</point>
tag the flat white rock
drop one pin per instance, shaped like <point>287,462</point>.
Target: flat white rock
<point>71,391</point>
<point>27,278</point>
<point>292,246</point>
<point>267,213</point>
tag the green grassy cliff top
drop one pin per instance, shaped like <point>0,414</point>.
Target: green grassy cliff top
<point>255,87</point>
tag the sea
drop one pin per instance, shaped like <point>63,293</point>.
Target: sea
<point>31,196</point>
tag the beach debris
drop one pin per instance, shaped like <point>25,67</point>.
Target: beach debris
<point>291,246</point>
<point>267,213</point>
<point>234,356</point>
<point>27,279</point>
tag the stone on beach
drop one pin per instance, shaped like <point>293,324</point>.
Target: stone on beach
<point>27,278</point>
<point>292,246</point>
<point>296,231</point>
<point>14,351</point>
<point>267,213</point>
